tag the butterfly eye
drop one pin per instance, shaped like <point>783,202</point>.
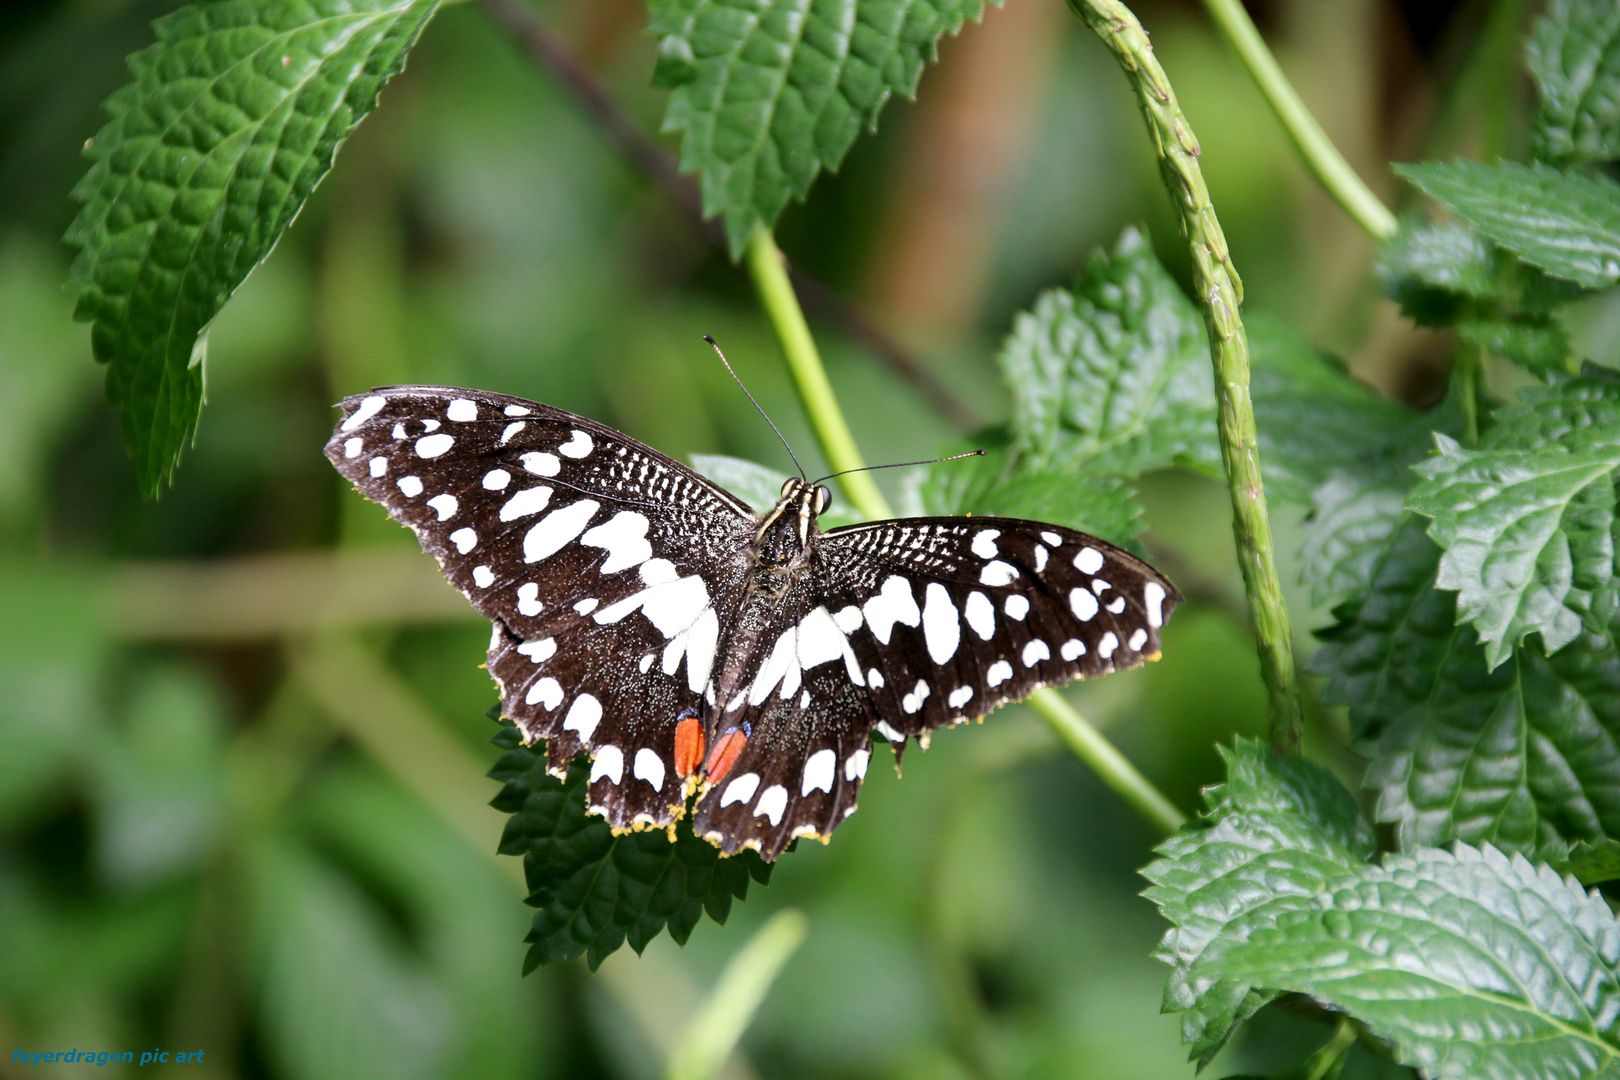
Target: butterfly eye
<point>823,497</point>
<point>788,485</point>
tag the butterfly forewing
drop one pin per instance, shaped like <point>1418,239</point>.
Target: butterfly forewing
<point>610,571</point>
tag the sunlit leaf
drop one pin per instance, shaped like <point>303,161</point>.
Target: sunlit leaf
<point>770,93</point>
<point>1574,55</point>
<point>593,890</point>
<point>233,117</point>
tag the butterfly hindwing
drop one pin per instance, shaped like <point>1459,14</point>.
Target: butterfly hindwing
<point>609,570</point>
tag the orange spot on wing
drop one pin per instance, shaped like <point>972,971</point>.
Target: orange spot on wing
<point>726,750</point>
<point>688,746</point>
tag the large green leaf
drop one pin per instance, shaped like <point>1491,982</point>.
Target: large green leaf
<point>1527,517</point>
<point>769,93</point>
<point>1113,377</point>
<point>594,890</point>
<point>1278,827</point>
<point>1574,54</point>
<point>232,118</point>
<point>1566,223</point>
<point>1473,965</point>
<point>1524,756</point>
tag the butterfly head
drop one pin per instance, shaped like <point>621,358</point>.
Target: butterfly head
<point>785,532</point>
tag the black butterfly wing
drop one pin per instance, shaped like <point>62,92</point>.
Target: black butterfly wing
<point>959,616</point>
<point>609,570</point>
<point>906,626</point>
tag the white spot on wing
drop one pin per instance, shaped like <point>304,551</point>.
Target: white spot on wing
<point>445,506</point>
<point>741,789</point>
<point>942,628</point>
<point>1073,649</point>
<point>885,729</point>
<point>585,607</point>
<point>351,448</point>
<point>1088,561</point>
<point>578,445</point>
<point>894,603</point>
<point>464,539</point>
<point>483,577</point>
<point>540,649</point>
<point>1106,647</point>
<point>379,466</point>
<point>772,804</point>
<point>461,410</point>
<point>624,535</point>
<point>526,502</point>
<point>431,446</point>
<point>528,595</point>
<point>874,678</point>
<point>510,430</point>
<point>984,543</point>
<point>997,573</point>
<point>1116,606</point>
<point>496,480</point>
<point>647,662</point>
<point>546,692</point>
<point>1017,606</point>
<point>650,767</point>
<point>516,410</point>
<point>583,716</point>
<point>855,765</point>
<point>541,464</point>
<point>1052,538</point>
<point>1082,603</point>
<point>822,641</point>
<point>608,762</point>
<point>819,771</point>
<point>1099,586</point>
<point>848,619</point>
<point>998,673</point>
<point>370,407</point>
<point>959,697</point>
<point>1040,559</point>
<point>981,615</point>
<point>913,701</point>
<point>410,485</point>
<point>1138,638</point>
<point>1153,598</point>
<point>551,533</point>
<point>1036,650</point>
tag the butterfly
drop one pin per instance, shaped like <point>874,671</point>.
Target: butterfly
<point>699,651</point>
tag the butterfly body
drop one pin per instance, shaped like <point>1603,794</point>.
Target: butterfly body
<point>692,647</point>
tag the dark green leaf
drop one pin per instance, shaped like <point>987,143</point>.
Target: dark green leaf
<point>1528,517</point>
<point>1278,827</point>
<point>760,486</point>
<point>1351,523</point>
<point>232,118</point>
<point>1113,378</point>
<point>770,93</point>
<point>1565,223</point>
<point>1470,963</point>
<point>1591,863</point>
<point>1533,341</point>
<point>594,890</point>
<point>1432,270</point>
<point>1523,757</point>
<point>1574,54</point>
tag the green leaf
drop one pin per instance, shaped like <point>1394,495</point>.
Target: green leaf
<point>1432,270</point>
<point>1591,863</point>
<point>1115,377</point>
<point>1528,517</point>
<point>1565,223</point>
<point>761,486</point>
<point>770,93</point>
<point>1470,963</point>
<point>1278,827</point>
<point>1351,523</point>
<point>232,118</point>
<point>594,890</point>
<point>1523,756</point>
<point>1536,342</point>
<point>1574,55</point>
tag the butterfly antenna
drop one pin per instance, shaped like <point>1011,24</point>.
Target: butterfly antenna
<point>903,464</point>
<point>757,405</point>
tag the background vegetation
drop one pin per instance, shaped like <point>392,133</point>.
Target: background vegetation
<point>242,730</point>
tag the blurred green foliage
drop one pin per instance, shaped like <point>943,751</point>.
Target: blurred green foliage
<point>200,849</point>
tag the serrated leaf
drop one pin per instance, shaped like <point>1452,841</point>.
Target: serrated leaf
<point>1591,863</point>
<point>594,890</point>
<point>1113,378</point>
<point>232,118</point>
<point>1278,827</point>
<point>761,486</point>
<point>1528,517</point>
<point>769,93</point>
<point>1432,270</point>
<point>1523,757</point>
<point>1536,342</point>
<point>1471,964</point>
<point>1568,224</point>
<point>1574,55</point>
<point>1351,523</point>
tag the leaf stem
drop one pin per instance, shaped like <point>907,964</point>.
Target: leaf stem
<point>1320,155</point>
<point>769,271</point>
<point>1219,292</point>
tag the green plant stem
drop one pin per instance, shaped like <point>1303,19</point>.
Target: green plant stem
<point>821,407</point>
<point>712,1034</point>
<point>1471,375</point>
<point>1219,292</point>
<point>1320,155</point>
